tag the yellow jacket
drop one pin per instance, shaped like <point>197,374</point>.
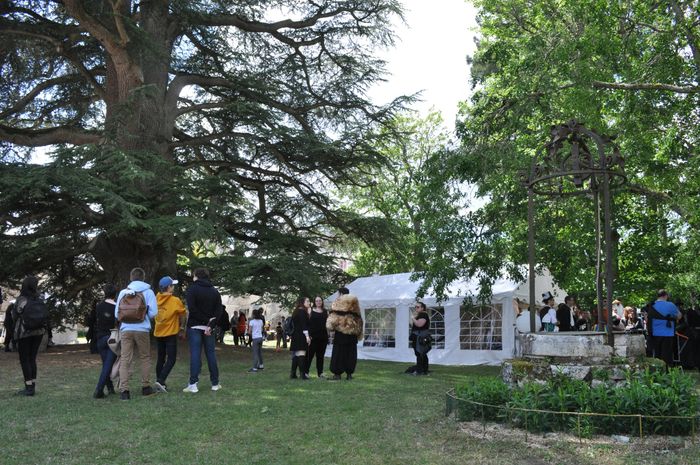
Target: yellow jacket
<point>168,319</point>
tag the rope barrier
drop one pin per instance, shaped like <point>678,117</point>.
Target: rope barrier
<point>509,410</point>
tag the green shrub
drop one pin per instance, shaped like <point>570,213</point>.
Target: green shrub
<point>648,393</point>
<point>491,391</point>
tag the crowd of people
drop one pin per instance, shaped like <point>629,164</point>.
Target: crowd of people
<point>122,323</point>
<point>661,321</point>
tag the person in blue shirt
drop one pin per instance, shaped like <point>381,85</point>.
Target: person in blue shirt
<point>663,316</point>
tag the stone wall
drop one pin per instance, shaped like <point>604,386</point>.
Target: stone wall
<point>578,355</point>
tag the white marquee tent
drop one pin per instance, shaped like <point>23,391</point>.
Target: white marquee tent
<point>463,334</point>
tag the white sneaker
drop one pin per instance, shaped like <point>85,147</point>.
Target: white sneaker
<point>160,387</point>
<point>216,387</point>
<point>191,388</point>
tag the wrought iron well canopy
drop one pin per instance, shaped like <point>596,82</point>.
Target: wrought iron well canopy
<point>577,161</point>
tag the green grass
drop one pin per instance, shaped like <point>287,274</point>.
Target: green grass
<point>381,417</point>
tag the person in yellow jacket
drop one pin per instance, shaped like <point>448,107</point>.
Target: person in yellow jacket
<point>170,322</point>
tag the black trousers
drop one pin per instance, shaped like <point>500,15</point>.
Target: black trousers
<point>316,348</point>
<point>421,361</point>
<point>167,354</point>
<point>344,356</point>
<point>663,348</point>
<point>28,349</point>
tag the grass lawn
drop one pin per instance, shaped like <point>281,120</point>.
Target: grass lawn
<point>381,417</point>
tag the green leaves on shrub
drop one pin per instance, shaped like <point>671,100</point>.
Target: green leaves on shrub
<point>491,391</point>
<point>654,395</point>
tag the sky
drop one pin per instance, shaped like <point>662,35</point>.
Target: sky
<point>430,56</point>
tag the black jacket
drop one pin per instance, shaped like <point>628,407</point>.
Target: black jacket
<point>564,318</point>
<point>203,304</point>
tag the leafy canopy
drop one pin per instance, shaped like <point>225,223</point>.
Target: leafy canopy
<point>170,123</point>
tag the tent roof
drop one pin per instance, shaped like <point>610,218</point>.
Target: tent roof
<point>397,287</point>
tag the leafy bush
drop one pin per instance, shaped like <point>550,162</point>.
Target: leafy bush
<point>491,391</point>
<point>648,393</point>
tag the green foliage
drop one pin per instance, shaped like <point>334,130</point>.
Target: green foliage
<point>491,391</point>
<point>628,69</point>
<point>169,125</point>
<point>654,394</point>
<point>408,193</point>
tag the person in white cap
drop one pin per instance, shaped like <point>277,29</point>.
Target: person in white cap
<point>170,322</point>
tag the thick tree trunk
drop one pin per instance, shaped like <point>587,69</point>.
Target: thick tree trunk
<point>119,255</point>
<point>136,122</point>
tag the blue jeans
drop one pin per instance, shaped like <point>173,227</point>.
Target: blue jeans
<point>108,357</point>
<point>167,354</point>
<point>196,339</point>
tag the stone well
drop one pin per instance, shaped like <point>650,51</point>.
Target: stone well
<point>579,355</point>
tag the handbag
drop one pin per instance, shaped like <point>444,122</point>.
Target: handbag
<point>115,341</point>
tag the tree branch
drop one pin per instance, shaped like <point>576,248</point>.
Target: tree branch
<point>117,6</point>
<point>689,35</point>
<point>662,196</point>
<point>201,106</point>
<point>90,24</point>
<point>645,86</point>
<point>39,88</point>
<point>50,136</point>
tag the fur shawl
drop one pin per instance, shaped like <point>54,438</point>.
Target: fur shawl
<point>345,317</point>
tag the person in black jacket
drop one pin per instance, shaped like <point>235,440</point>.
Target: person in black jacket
<point>420,329</point>
<point>204,307</point>
<point>222,325</point>
<point>102,323</point>
<point>27,340</point>
<point>565,315</point>
<point>300,337</point>
<point>319,336</point>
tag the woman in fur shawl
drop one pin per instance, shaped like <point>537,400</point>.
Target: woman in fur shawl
<point>345,319</point>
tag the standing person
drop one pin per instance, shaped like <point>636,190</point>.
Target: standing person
<point>234,327</point>
<point>90,324</point>
<point>285,336</point>
<point>693,319</point>
<point>256,331</point>
<point>420,331</point>
<point>565,314</point>
<point>548,314</point>
<point>279,335</point>
<point>170,322</point>
<point>135,337</point>
<point>345,319</point>
<point>583,320</point>
<point>241,326</point>
<point>319,336</point>
<point>9,330</point>
<point>103,323</point>
<point>632,322</point>
<point>300,337</point>
<point>204,306</point>
<point>663,316</point>
<point>222,325</point>
<point>27,340</point>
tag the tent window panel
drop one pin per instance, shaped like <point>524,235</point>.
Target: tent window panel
<point>437,327</point>
<point>380,327</point>
<point>480,327</point>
